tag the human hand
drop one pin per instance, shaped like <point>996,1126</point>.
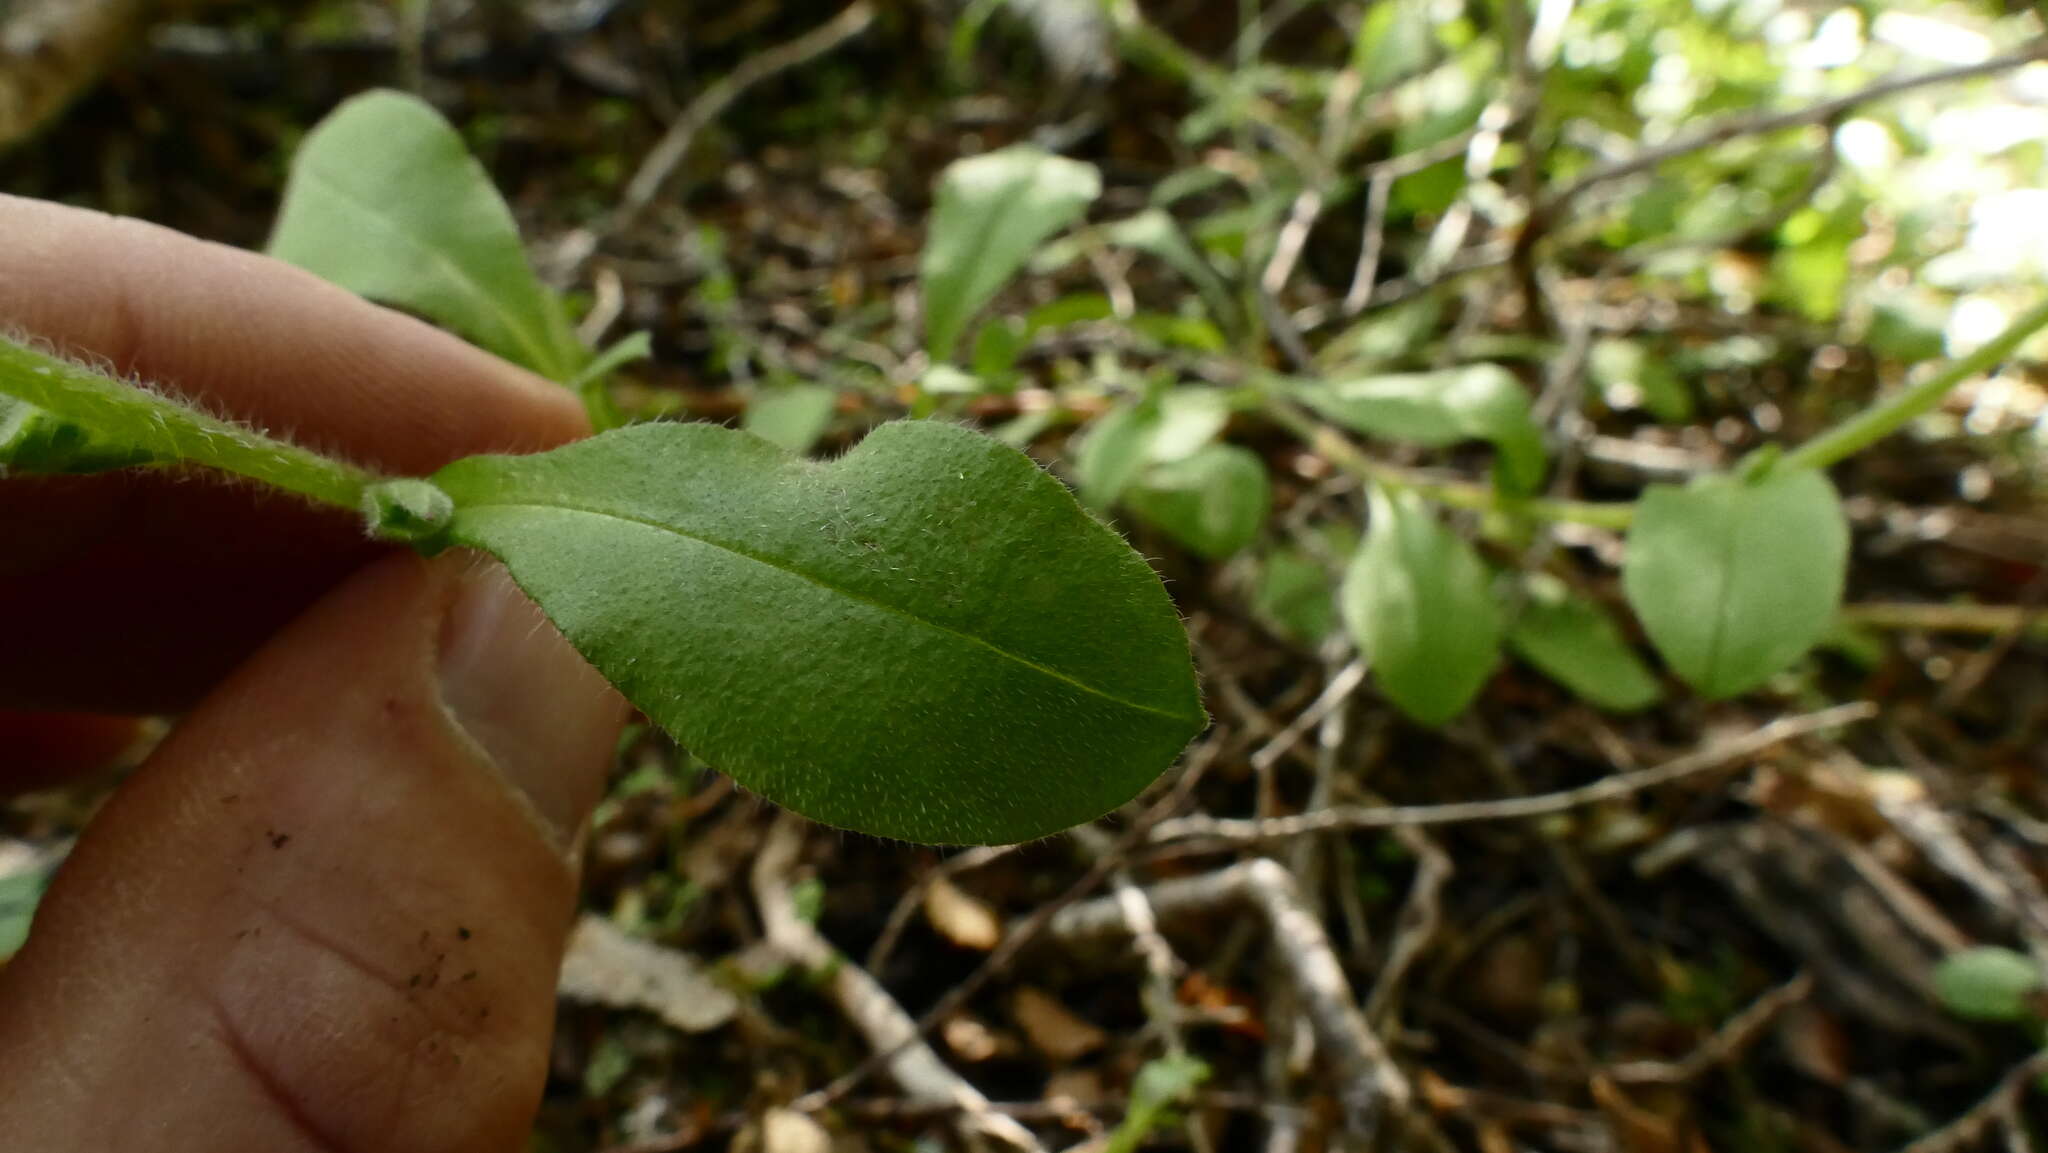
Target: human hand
<point>327,913</point>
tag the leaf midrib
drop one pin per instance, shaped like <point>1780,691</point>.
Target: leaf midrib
<point>450,271</point>
<point>814,580</point>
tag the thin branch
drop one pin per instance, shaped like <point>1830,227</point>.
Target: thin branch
<point>1355,817</point>
<point>1370,1085</point>
<point>668,153</point>
<point>1731,128</point>
<point>1966,1130</point>
<point>1730,1039</point>
<point>889,1029</point>
<point>1986,620</point>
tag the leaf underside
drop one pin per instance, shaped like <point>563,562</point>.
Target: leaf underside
<point>1420,604</point>
<point>385,200</point>
<point>1734,581</point>
<point>926,639</point>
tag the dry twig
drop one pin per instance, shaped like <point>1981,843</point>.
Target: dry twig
<point>889,1029</point>
<point>1355,817</point>
<point>1370,1085</point>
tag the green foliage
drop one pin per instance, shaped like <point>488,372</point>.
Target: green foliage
<point>1213,501</point>
<point>1476,402</point>
<point>863,641</point>
<point>1630,377</point>
<point>1735,579</point>
<point>791,417</point>
<point>1990,984</point>
<point>1420,604</point>
<point>1578,645</point>
<point>385,200</point>
<point>992,213</point>
<point>1161,1085</point>
<point>20,892</point>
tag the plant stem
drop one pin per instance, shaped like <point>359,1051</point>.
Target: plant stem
<point>1336,448</point>
<point>172,432</point>
<point>1874,424</point>
<point>1987,620</point>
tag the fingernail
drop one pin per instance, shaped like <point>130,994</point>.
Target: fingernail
<point>545,718</point>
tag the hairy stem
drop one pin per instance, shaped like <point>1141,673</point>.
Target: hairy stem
<point>1888,416</point>
<point>167,431</point>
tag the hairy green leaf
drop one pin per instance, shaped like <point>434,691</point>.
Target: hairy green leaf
<point>1576,644</point>
<point>1435,409</point>
<point>1736,580</point>
<point>385,201</point>
<point>1420,604</point>
<point>1158,429</point>
<point>1989,984</point>
<point>1213,501</point>
<point>927,638</point>
<point>992,211</point>
<point>791,417</point>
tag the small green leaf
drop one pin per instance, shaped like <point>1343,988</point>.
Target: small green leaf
<point>927,638</point>
<point>1629,377</point>
<point>1161,1084</point>
<point>791,417</point>
<point>1214,501</point>
<point>1989,984</point>
<point>20,893</point>
<point>1735,581</point>
<point>1576,644</point>
<point>1159,429</point>
<point>992,212</point>
<point>385,201</point>
<point>1420,604</point>
<point>1295,595</point>
<point>589,381</point>
<point>1114,451</point>
<point>1435,409</point>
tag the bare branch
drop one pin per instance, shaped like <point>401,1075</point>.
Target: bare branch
<point>1354,817</point>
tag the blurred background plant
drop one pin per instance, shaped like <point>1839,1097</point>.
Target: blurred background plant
<point>1584,776</point>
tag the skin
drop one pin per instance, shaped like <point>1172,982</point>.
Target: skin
<point>327,912</point>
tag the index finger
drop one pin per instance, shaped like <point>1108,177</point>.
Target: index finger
<point>136,591</point>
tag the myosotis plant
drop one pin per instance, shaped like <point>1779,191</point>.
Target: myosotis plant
<point>927,638</point>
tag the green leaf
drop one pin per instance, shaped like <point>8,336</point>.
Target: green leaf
<point>1214,501</point>
<point>792,417</point>
<point>1160,429</point>
<point>1989,984</point>
<point>1114,451</point>
<point>927,638</point>
<point>1435,409</point>
<point>589,381</point>
<point>1420,604</point>
<point>20,893</point>
<point>992,212</point>
<point>1734,581</point>
<point>1576,644</point>
<point>1295,596</point>
<point>1629,377</point>
<point>385,201</point>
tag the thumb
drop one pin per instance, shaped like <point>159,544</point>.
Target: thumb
<point>328,913</point>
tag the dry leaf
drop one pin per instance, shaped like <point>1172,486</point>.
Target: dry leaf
<point>606,967</point>
<point>960,918</point>
<point>1052,1029</point>
<point>784,1131</point>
